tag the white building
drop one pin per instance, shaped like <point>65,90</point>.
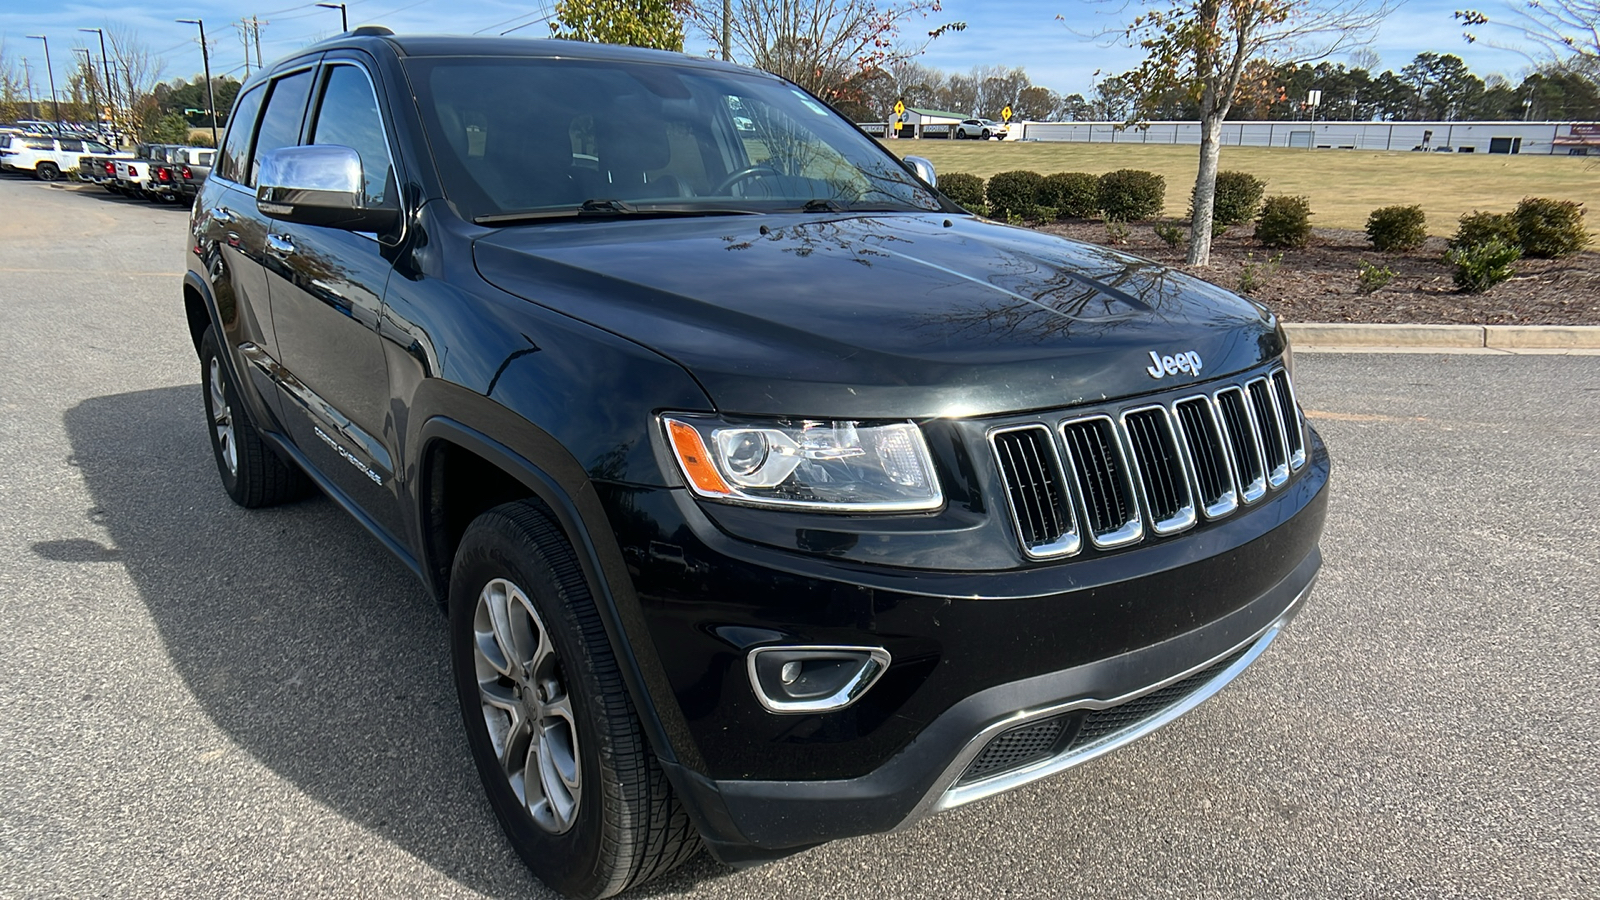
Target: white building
<point>1560,138</point>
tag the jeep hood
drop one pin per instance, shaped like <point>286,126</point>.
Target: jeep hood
<point>881,315</point>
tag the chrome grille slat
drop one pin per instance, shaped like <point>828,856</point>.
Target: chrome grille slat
<point>1159,469</point>
<point>1036,491</point>
<point>1094,452</point>
<point>1208,456</point>
<point>1289,413</point>
<point>1264,412</point>
<point>1153,468</point>
<point>1242,440</point>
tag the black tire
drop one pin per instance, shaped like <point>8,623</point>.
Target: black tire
<point>622,826</point>
<point>252,472</point>
<point>46,171</point>
<point>986,134</point>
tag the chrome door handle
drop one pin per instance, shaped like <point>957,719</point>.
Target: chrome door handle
<point>222,214</point>
<point>279,245</point>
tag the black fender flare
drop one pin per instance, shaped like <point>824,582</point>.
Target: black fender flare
<point>566,490</point>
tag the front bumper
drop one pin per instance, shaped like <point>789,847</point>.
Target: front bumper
<point>758,821</point>
<point>976,655</point>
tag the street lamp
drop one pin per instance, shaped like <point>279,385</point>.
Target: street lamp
<point>94,95</point>
<point>54,103</point>
<point>105,63</point>
<point>344,20</point>
<point>211,95</point>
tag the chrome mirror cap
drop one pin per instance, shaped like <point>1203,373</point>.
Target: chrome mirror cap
<point>319,185</point>
<point>924,169</point>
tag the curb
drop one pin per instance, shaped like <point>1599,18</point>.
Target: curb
<point>1316,335</point>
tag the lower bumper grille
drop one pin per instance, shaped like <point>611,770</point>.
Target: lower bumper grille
<point>1034,742</point>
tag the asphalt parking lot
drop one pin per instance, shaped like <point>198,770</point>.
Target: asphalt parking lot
<point>200,701</point>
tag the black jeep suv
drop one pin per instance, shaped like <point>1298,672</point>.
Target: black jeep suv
<point>773,498</point>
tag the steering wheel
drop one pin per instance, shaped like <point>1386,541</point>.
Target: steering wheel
<point>743,175</point>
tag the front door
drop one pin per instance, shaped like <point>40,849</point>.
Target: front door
<point>326,301</point>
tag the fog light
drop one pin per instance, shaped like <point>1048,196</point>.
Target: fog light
<point>814,679</point>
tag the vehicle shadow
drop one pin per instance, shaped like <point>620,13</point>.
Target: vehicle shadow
<point>303,640</point>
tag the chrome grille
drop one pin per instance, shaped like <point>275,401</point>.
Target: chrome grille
<point>1036,491</point>
<point>1156,468</point>
<point>1110,510</point>
<point>1160,469</point>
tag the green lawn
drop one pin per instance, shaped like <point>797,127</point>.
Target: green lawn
<point>1344,185</point>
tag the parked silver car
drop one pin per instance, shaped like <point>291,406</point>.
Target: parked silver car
<point>983,129</point>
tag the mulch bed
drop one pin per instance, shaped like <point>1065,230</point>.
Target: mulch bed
<point>1318,284</point>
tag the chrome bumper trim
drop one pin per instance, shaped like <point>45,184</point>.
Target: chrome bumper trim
<point>948,795</point>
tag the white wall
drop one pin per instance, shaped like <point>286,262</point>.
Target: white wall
<point>1536,136</point>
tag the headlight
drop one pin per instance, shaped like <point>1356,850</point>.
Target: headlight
<point>809,464</point>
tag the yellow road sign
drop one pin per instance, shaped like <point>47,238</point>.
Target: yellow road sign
<point>1006,114</point>
<point>899,107</point>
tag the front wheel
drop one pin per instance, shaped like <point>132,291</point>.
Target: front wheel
<point>46,171</point>
<point>549,722</point>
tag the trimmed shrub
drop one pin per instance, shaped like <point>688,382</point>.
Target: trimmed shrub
<point>1014,194</point>
<point>1284,222</point>
<point>1397,228</point>
<point>966,190</point>
<point>1075,195</point>
<point>1483,227</point>
<point>1132,195</point>
<point>1550,229</point>
<point>1482,266</point>
<point>1238,198</point>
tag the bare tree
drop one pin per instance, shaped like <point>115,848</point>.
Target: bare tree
<point>135,72</point>
<point>820,44</point>
<point>1566,32</point>
<point>1201,47</point>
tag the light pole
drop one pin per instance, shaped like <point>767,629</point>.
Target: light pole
<point>55,105</point>
<point>344,19</point>
<point>94,95</point>
<point>105,63</point>
<point>211,94</point>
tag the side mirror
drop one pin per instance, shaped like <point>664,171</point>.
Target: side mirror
<point>320,185</point>
<point>924,170</point>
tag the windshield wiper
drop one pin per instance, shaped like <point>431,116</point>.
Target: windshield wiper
<point>837,206</point>
<point>605,207</point>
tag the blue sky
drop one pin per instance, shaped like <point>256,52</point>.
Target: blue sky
<point>1010,32</point>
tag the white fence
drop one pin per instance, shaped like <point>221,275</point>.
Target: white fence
<point>1460,137</point>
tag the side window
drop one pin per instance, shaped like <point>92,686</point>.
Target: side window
<point>348,116</point>
<point>237,142</point>
<point>280,124</point>
<point>71,146</point>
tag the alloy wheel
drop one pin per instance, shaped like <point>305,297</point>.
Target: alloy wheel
<point>526,707</point>
<point>222,417</point>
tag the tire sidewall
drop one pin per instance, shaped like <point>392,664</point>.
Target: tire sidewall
<point>46,171</point>
<point>491,549</point>
<point>209,350</point>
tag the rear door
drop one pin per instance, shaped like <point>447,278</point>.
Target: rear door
<point>67,152</point>
<point>326,306</point>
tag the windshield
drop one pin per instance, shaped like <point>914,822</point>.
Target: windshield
<point>584,137</point>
